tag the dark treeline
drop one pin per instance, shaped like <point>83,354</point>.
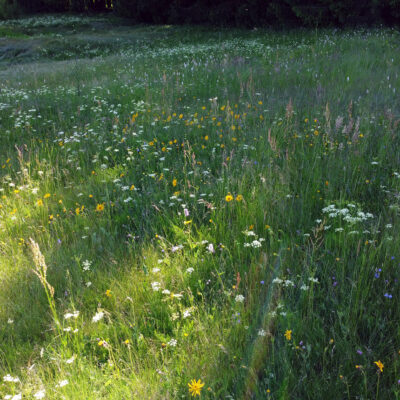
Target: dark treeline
<point>247,13</point>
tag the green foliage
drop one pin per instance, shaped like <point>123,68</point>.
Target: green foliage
<point>8,9</point>
<point>218,204</point>
<point>247,13</point>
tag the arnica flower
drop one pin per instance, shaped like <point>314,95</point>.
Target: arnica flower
<point>288,334</point>
<point>379,364</point>
<point>195,387</point>
<point>174,182</point>
<point>228,198</point>
<point>108,293</point>
<point>99,207</point>
<point>239,197</point>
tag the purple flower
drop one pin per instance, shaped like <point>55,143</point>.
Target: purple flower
<point>359,352</point>
<point>388,295</point>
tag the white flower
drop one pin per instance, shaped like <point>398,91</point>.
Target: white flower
<point>62,383</point>
<point>176,248</point>
<point>261,332</point>
<point>277,280</point>
<point>172,342</point>
<point>155,286</point>
<point>71,360</point>
<point>41,394</point>
<point>210,248</point>
<point>10,321</point>
<point>17,397</point>
<point>9,378</point>
<point>255,244</point>
<point>155,270</point>
<point>98,316</point>
<point>86,265</point>
<point>304,287</point>
<point>190,270</point>
<point>166,291</point>
<point>239,298</point>
<point>74,314</point>
<point>314,280</point>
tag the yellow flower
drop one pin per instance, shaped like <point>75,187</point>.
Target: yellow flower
<point>174,182</point>
<point>228,197</point>
<point>379,364</point>
<point>47,195</point>
<point>39,202</point>
<point>108,293</point>
<point>127,341</point>
<point>132,187</point>
<point>187,222</point>
<point>195,387</point>
<point>239,197</point>
<point>99,207</point>
<point>288,334</point>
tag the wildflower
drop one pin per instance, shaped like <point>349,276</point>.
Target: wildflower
<point>261,332</point>
<point>74,314</point>
<point>155,286</point>
<point>62,383</point>
<point>187,222</point>
<point>40,394</point>
<point>86,265</point>
<point>39,203</point>
<point>195,387</point>
<point>210,248</point>
<point>172,342</point>
<point>9,378</point>
<point>288,334</point>
<point>228,198</point>
<point>239,298</point>
<point>108,293</point>
<point>47,195</point>
<point>71,360</point>
<point>100,207</point>
<point>239,197</point>
<point>379,364</point>
<point>98,316</point>
<point>190,270</point>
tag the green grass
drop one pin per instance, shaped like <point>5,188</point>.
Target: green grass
<point>203,192</point>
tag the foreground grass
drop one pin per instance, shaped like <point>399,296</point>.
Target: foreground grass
<point>214,205</point>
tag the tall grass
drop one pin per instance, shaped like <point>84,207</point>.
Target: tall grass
<point>214,205</point>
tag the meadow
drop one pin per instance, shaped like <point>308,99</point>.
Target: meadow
<point>198,212</point>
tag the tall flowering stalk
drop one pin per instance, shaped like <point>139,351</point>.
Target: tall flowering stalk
<point>40,271</point>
